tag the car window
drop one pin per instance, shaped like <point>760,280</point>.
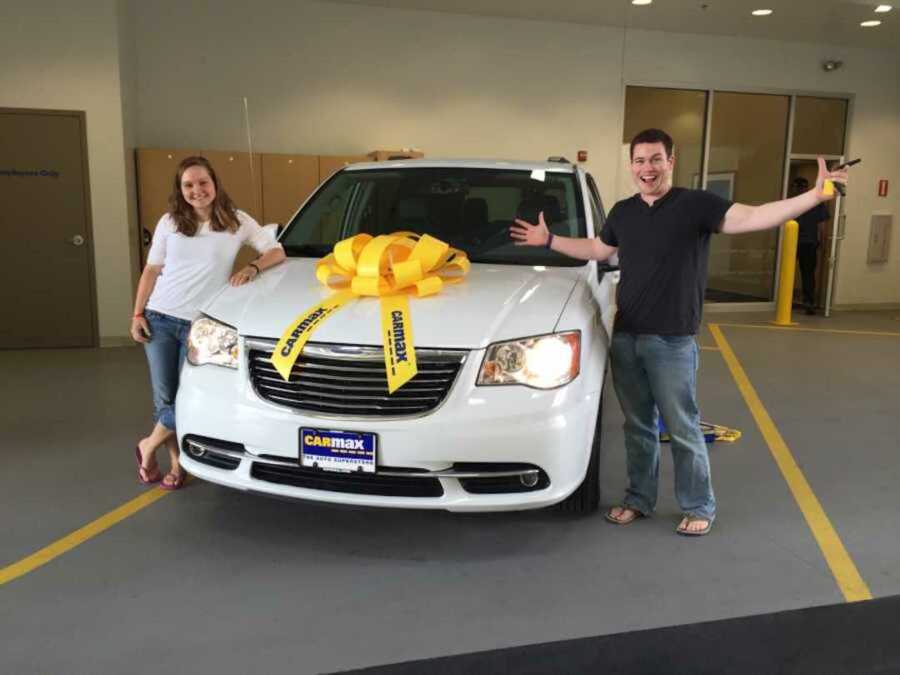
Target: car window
<point>471,209</point>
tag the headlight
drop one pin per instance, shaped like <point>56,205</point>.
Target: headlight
<point>212,342</point>
<point>542,362</point>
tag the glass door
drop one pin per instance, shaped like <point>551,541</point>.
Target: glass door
<point>820,129</point>
<point>747,150</point>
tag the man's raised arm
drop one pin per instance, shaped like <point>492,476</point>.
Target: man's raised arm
<point>743,218</point>
<point>529,234</point>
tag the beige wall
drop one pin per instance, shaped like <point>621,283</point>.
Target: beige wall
<point>341,79</point>
<point>63,56</point>
<point>128,83</point>
<point>326,78</point>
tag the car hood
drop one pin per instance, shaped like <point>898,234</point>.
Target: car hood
<point>494,302</point>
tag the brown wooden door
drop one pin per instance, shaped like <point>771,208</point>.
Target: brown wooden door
<point>47,294</point>
<point>287,180</point>
<point>156,179</point>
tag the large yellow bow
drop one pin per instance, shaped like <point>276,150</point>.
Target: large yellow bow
<point>390,267</point>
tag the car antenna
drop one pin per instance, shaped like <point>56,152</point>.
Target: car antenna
<point>256,205</point>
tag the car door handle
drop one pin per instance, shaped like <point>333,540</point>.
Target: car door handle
<point>77,240</point>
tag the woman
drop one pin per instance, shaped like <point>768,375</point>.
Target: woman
<point>192,253</point>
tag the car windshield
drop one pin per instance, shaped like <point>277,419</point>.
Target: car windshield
<point>471,209</point>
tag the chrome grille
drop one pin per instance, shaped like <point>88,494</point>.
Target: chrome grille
<point>347,380</point>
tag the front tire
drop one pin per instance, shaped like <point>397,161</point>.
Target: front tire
<point>586,498</point>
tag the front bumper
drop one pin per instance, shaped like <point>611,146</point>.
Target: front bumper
<point>506,432</point>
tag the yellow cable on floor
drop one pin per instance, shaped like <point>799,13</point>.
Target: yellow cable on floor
<point>717,431</point>
<point>724,434</point>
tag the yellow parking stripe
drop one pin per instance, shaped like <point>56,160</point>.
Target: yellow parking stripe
<point>78,537</point>
<point>842,567</point>
<point>810,330</point>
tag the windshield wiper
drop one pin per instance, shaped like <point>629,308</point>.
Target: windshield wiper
<point>307,250</point>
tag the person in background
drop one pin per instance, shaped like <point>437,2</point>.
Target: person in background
<point>191,257</point>
<point>662,237</point>
<point>810,236</point>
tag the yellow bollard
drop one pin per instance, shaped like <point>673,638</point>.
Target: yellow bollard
<point>786,278</point>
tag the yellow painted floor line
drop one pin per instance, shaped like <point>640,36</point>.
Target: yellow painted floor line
<point>810,330</point>
<point>842,567</point>
<point>79,536</point>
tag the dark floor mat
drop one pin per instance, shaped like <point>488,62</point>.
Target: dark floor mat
<point>847,638</point>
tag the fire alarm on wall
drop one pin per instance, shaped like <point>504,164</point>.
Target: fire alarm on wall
<point>882,187</point>
<point>582,155</point>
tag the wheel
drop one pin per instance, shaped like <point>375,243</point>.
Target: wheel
<point>586,498</point>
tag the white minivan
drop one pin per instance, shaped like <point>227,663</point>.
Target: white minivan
<point>504,412</point>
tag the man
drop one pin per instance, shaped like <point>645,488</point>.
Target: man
<point>662,237</point>
<point>808,244</point>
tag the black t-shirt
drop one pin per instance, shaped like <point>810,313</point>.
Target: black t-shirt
<point>663,254</point>
<point>809,223</point>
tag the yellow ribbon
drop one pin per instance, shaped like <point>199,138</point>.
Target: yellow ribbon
<point>390,267</point>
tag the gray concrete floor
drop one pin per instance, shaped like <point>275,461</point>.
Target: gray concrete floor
<point>207,579</point>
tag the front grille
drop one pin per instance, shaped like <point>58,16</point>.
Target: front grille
<point>353,483</point>
<point>347,380</point>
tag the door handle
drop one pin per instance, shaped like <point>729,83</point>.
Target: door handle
<point>77,240</point>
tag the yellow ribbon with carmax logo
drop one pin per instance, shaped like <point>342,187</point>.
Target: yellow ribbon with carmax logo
<point>390,267</point>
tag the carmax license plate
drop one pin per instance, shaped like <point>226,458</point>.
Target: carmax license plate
<point>332,450</point>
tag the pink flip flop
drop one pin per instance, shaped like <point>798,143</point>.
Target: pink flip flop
<point>142,470</point>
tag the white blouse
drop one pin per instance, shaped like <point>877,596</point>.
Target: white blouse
<point>194,269</point>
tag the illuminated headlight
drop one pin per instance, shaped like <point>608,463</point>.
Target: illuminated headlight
<point>542,362</point>
<point>212,342</point>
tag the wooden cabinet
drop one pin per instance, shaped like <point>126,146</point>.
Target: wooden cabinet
<point>241,179</point>
<point>287,180</point>
<point>329,164</point>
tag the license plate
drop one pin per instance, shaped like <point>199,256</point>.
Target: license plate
<point>332,450</point>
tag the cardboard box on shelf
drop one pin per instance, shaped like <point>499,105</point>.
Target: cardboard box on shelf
<point>384,155</point>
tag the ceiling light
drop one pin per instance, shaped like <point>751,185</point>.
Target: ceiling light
<point>641,2</point>
<point>870,24</point>
<point>881,9</point>
<point>761,12</point>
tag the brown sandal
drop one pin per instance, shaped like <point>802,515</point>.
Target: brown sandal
<point>621,519</point>
<point>694,533</point>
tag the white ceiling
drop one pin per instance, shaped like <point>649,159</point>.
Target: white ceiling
<point>833,22</point>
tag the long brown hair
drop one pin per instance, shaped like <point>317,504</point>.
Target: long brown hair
<point>224,213</point>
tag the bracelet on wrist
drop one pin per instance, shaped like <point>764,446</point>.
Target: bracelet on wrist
<point>549,243</point>
<point>256,267</point>
<point>137,316</point>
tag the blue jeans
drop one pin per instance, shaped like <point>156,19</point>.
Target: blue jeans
<point>166,352</point>
<point>655,374</point>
